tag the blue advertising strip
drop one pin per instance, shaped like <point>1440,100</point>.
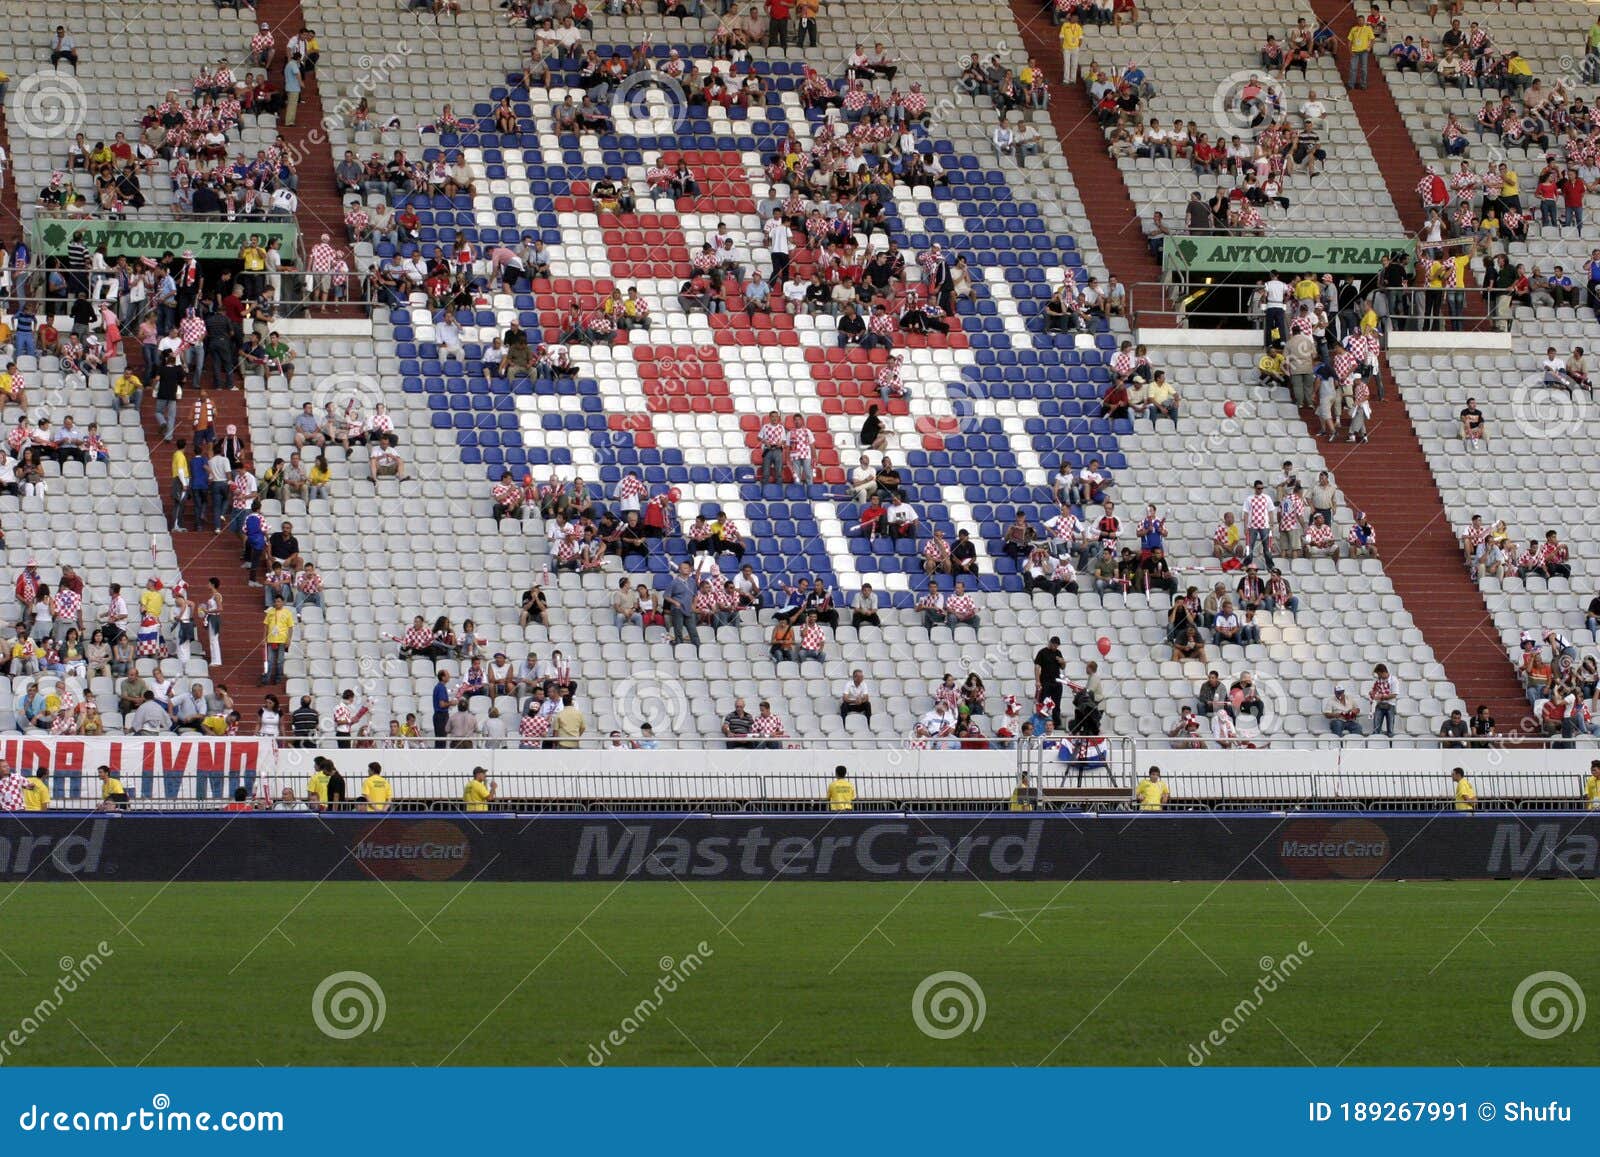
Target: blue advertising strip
<point>797,1111</point>
<point>441,846</point>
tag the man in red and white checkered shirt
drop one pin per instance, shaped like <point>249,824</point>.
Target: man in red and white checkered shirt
<point>66,609</point>
<point>890,384</point>
<point>960,609</point>
<point>774,439</point>
<point>1553,554</point>
<point>767,727</point>
<point>802,450</point>
<point>507,497</point>
<point>534,727</point>
<point>321,267</point>
<point>308,587</point>
<point>242,488</point>
<point>567,552</point>
<point>1292,512</point>
<point>631,492</point>
<point>1433,190</point>
<point>1319,539</point>
<point>1258,523</point>
<point>262,45</point>
<point>812,641</point>
<point>880,330</point>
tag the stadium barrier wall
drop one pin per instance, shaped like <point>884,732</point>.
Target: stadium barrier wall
<point>861,847</point>
<point>181,771</point>
<point>1310,775</point>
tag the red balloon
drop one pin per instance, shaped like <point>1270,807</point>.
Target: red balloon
<point>1104,644</point>
<point>674,494</point>
<point>1230,408</point>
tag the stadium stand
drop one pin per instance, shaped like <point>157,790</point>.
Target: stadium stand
<point>976,418</point>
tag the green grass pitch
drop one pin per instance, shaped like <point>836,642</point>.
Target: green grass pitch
<point>795,973</point>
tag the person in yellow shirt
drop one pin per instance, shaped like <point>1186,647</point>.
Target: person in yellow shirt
<point>180,480</point>
<point>1591,786</point>
<point>254,259</point>
<point>36,793</point>
<point>569,725</point>
<point>376,789</point>
<point>1360,40</point>
<point>279,623</point>
<point>1071,41</point>
<point>317,785</point>
<point>841,792</point>
<point>317,478</point>
<point>1024,798</point>
<point>112,793</point>
<point>127,391</point>
<point>1152,793</point>
<point>479,791</point>
<point>1466,794</point>
<point>151,600</point>
<point>11,386</point>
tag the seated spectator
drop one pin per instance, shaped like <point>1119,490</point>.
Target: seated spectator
<point>1342,713</point>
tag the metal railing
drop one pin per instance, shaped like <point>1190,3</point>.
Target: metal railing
<point>1195,303</point>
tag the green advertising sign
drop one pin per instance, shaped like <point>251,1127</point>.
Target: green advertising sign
<point>210,240</point>
<point>1288,254</point>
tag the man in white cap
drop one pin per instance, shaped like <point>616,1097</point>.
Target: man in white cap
<point>321,264</point>
<point>263,46</point>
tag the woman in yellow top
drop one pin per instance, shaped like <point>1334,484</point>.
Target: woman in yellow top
<point>317,478</point>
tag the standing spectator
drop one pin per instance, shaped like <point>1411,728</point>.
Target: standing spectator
<point>1383,694</point>
<point>679,605</point>
<point>1360,39</point>
<point>280,624</point>
<point>292,85</point>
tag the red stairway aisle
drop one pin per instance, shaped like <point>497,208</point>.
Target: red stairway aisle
<point>1389,479</point>
<point>1112,216</point>
<point>10,210</point>
<point>321,210</point>
<point>203,555</point>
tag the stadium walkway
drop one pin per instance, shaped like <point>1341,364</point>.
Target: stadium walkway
<point>1112,216</point>
<point>1389,477</point>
